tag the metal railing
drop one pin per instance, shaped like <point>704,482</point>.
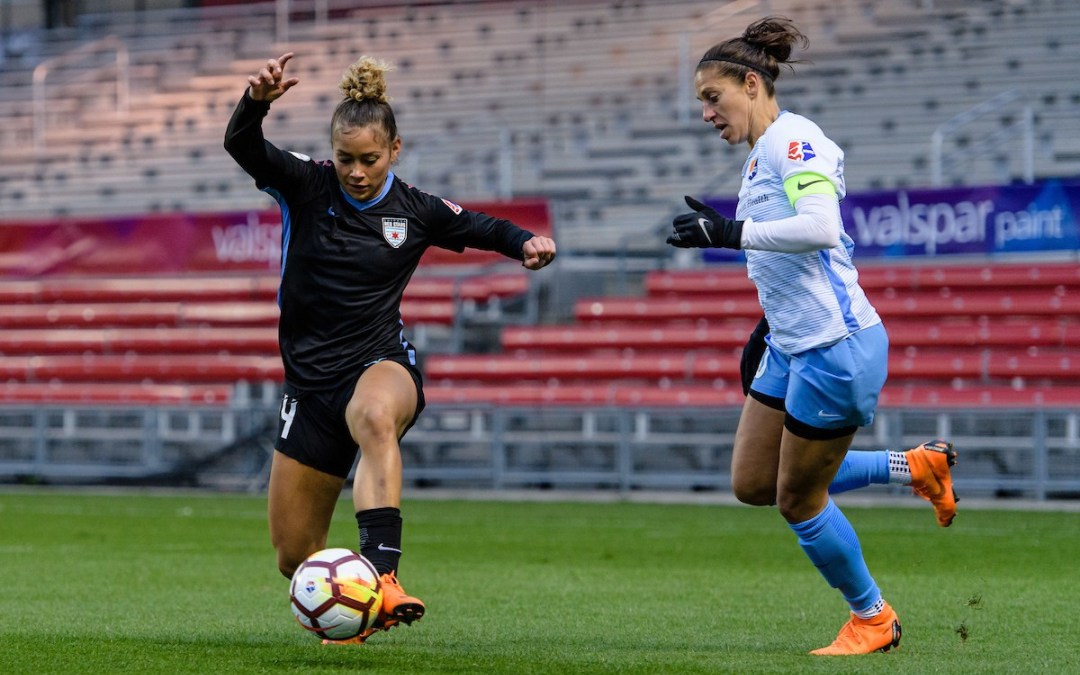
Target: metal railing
<point>46,67</point>
<point>1025,453</point>
<point>1024,127</point>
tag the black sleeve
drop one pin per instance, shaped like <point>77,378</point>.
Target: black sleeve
<point>456,229</point>
<point>259,158</point>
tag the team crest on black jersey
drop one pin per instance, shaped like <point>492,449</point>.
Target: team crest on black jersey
<point>395,230</point>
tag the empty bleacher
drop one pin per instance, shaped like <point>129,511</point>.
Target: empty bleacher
<point>584,104</point>
<point>1004,334</point>
<point>605,124</point>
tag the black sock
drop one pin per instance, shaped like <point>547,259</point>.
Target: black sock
<point>380,537</point>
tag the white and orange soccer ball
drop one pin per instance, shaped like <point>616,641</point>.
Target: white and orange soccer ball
<point>336,593</point>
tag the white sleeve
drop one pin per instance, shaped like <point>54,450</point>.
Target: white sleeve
<point>815,226</point>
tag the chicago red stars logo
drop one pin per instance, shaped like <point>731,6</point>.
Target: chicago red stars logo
<point>395,231</point>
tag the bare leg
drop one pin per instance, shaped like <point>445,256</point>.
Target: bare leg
<point>300,504</point>
<point>381,408</point>
<point>755,458</point>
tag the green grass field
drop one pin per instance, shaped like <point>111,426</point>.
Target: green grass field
<point>187,583</point>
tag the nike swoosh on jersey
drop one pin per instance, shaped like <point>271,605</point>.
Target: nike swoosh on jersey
<point>803,186</point>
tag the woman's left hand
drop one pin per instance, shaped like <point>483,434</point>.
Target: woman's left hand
<point>538,252</point>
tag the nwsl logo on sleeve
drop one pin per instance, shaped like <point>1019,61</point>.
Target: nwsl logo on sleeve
<point>800,151</point>
<point>751,169</point>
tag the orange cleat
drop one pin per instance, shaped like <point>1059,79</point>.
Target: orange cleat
<point>931,478</point>
<point>397,605</point>
<point>865,636</point>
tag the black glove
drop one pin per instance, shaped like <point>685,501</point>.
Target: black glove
<point>752,353</point>
<point>705,228</point>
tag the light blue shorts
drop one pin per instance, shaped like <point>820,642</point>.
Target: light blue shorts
<point>829,387</point>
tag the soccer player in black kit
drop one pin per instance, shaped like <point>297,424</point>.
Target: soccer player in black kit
<point>352,235</point>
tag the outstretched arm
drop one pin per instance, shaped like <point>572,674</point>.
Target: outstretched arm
<point>244,141</point>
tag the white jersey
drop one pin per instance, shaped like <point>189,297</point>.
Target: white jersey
<point>810,299</point>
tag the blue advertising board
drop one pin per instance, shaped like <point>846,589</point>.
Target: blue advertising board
<point>974,220</point>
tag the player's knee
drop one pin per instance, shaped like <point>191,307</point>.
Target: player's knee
<point>795,508</point>
<point>371,420</point>
<point>291,553</point>
<point>754,494</point>
<point>287,563</point>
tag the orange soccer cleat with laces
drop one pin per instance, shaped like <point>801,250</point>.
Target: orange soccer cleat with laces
<point>865,636</point>
<point>397,607</point>
<point>931,477</point>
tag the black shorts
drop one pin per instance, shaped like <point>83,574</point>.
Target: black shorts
<point>312,428</point>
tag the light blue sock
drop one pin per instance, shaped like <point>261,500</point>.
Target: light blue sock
<point>832,545</point>
<point>859,469</point>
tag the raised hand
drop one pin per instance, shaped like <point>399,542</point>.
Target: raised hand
<point>270,83</point>
<point>538,252</point>
<point>705,228</point>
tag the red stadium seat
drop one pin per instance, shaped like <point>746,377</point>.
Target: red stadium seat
<point>661,310</point>
<point>699,282</point>
<point>1001,276</point>
<point>90,315</point>
<point>1052,302</point>
<point>923,396</point>
<point>996,332</point>
<point>478,288</point>
<point>498,368</point>
<point>139,289</point>
<point>164,340</point>
<point>177,368</point>
<point>905,277</point>
<point>1000,332</point>
<point>894,396</point>
<point>108,393</point>
<point>1050,364</point>
<point>625,337</point>
<point>577,395</point>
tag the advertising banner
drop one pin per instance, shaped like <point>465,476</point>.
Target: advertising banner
<point>242,241</point>
<point>956,221</point>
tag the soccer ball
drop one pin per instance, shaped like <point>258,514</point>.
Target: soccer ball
<point>336,593</point>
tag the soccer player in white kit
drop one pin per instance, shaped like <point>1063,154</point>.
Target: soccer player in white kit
<point>827,350</point>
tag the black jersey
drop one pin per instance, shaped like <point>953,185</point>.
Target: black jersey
<point>345,263</point>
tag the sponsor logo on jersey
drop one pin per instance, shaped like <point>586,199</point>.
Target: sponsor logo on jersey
<point>800,151</point>
<point>395,230</point>
<point>452,206</point>
<point>751,170</point>
<point>300,156</point>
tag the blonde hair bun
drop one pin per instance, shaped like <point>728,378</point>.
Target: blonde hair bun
<point>366,80</point>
